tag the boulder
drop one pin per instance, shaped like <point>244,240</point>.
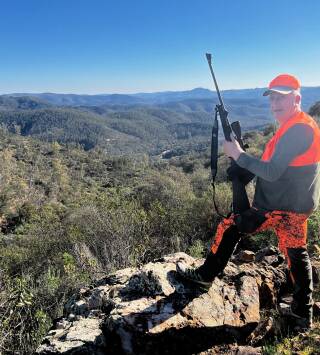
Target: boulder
<point>151,310</point>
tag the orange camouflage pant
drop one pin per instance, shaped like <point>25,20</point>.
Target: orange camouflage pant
<point>290,228</point>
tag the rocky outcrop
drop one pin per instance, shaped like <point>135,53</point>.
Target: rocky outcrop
<point>150,310</point>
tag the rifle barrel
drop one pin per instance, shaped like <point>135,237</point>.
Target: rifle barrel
<point>208,55</point>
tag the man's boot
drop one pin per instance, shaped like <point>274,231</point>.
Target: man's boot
<point>214,263</point>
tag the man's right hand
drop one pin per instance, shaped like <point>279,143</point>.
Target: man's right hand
<point>232,148</point>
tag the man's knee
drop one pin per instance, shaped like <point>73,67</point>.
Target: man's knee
<point>249,221</point>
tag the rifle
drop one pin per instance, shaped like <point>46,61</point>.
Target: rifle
<point>239,176</point>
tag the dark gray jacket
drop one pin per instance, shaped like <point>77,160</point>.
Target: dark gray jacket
<point>283,187</point>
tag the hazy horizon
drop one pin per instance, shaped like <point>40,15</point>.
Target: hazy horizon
<point>136,93</point>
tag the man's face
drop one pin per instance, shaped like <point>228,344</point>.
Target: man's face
<point>284,106</point>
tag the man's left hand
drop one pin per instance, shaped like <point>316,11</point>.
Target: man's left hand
<point>232,149</point>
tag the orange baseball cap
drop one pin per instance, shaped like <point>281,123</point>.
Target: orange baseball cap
<point>283,84</point>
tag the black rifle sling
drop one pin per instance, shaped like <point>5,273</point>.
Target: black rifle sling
<point>214,158</point>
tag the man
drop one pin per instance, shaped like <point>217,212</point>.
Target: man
<point>287,191</point>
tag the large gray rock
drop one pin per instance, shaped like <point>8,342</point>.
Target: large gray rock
<point>81,336</point>
<point>150,310</point>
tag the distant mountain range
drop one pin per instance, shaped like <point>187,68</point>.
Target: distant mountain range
<point>310,95</point>
<point>144,122</point>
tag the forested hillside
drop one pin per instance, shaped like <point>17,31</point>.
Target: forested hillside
<point>130,124</point>
<point>126,128</point>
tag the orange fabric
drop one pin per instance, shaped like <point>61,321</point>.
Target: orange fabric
<point>222,227</point>
<point>311,156</point>
<point>290,228</point>
<point>285,80</point>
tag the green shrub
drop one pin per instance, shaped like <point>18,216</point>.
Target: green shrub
<point>23,322</point>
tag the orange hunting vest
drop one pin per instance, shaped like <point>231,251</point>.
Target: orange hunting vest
<point>311,155</point>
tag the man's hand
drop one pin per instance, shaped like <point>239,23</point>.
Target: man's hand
<point>232,149</point>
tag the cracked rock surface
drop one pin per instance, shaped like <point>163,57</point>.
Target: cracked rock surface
<point>151,310</point>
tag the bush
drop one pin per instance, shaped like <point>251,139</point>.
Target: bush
<point>23,322</point>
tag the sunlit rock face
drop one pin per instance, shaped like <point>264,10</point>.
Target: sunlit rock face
<point>151,310</point>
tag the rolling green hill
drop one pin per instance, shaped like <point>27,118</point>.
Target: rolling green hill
<point>127,127</point>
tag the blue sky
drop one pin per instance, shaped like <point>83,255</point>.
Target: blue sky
<point>96,46</point>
